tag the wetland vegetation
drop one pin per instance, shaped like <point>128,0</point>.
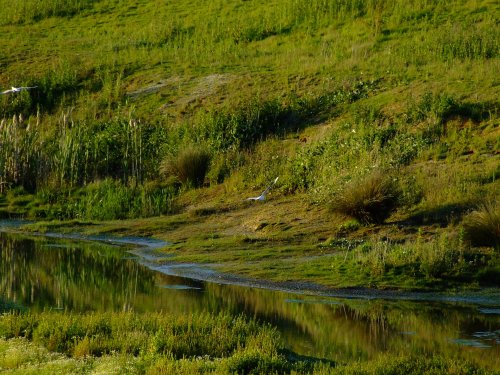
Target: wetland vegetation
<point>379,117</point>
<point>85,306</point>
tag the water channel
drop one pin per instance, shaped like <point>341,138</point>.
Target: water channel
<point>46,273</point>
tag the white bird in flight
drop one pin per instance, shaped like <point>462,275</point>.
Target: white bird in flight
<point>262,197</point>
<point>18,89</point>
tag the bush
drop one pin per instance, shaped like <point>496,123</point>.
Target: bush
<point>190,166</point>
<point>482,226</point>
<point>370,200</point>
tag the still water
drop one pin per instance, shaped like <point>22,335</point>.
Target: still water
<point>43,273</point>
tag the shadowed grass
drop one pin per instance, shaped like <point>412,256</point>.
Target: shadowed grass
<point>190,166</point>
<point>482,226</point>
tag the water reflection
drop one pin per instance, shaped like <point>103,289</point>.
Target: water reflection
<point>48,273</point>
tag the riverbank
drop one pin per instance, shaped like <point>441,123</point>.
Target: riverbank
<point>288,242</point>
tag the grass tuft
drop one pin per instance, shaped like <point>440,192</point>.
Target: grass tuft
<point>190,166</point>
<point>371,199</point>
<point>482,226</point>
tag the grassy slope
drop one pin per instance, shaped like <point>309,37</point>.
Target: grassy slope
<point>423,67</point>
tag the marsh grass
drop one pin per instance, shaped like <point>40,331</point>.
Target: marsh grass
<point>221,343</point>
<point>155,344</point>
<point>371,199</point>
<point>482,226</point>
<point>189,166</point>
<point>446,258</point>
<point>408,364</point>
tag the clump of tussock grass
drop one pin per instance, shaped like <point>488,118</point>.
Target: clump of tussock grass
<point>371,199</point>
<point>189,166</point>
<point>482,226</point>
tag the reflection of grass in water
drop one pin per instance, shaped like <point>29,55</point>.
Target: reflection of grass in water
<point>179,287</point>
<point>359,328</point>
<point>79,275</point>
<point>7,305</point>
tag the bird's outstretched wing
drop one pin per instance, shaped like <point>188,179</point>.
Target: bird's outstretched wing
<point>18,89</point>
<point>270,186</point>
<point>263,195</point>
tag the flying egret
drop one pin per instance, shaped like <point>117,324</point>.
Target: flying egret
<point>18,89</point>
<point>262,197</point>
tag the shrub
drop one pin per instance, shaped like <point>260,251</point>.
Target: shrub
<point>189,166</point>
<point>370,200</point>
<point>482,226</point>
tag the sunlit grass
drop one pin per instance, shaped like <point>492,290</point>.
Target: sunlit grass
<point>47,343</point>
<point>318,93</point>
<point>221,343</point>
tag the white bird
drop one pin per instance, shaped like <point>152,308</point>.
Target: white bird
<point>18,89</point>
<point>262,197</point>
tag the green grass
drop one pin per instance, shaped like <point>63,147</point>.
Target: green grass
<point>150,343</point>
<point>319,93</point>
<point>142,342</point>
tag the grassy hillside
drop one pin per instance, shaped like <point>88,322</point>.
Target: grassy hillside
<point>379,117</point>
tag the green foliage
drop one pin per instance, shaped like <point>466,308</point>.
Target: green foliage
<point>223,164</point>
<point>349,226</point>
<point>482,226</point>
<point>112,101</point>
<point>127,343</point>
<point>83,153</point>
<point>222,343</point>
<point>110,199</point>
<point>423,262</point>
<point>370,199</point>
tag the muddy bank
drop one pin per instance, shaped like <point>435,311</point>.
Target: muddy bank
<point>208,273</point>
